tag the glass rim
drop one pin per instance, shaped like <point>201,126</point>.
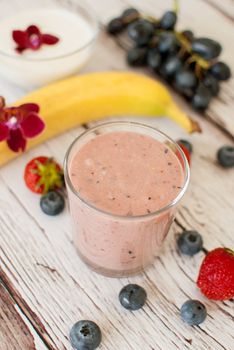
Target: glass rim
<point>128,217</point>
<point>87,9</point>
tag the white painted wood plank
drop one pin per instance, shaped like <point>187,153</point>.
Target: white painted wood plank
<point>226,7</point>
<point>47,242</point>
<point>55,289</point>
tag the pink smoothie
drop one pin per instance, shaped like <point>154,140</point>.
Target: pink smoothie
<point>128,175</point>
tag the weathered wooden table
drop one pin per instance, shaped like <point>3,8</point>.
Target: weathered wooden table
<point>45,288</point>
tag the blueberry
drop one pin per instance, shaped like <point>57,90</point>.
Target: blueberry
<point>190,242</point>
<point>225,156</point>
<point>187,144</point>
<point>115,26</point>
<point>132,297</point>
<point>85,335</point>
<point>201,98</point>
<point>220,71</point>
<point>154,59</point>
<point>141,31</point>
<point>168,20</point>
<point>137,56</point>
<point>193,312</point>
<point>52,203</point>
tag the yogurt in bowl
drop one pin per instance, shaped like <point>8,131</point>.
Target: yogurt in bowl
<point>76,28</point>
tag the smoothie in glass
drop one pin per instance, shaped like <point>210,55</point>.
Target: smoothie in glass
<point>124,181</point>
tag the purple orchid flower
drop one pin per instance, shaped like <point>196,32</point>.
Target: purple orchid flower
<point>32,38</point>
<point>17,124</point>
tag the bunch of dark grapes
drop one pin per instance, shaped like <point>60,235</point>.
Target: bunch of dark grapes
<point>187,63</point>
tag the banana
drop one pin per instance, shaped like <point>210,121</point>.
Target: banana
<point>81,99</point>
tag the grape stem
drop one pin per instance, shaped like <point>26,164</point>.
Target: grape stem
<point>176,6</point>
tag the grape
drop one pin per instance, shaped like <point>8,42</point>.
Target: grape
<point>130,15</point>
<point>154,59</point>
<point>220,71</point>
<point>168,20</point>
<point>141,31</point>
<point>188,34</point>
<point>153,42</point>
<point>201,98</point>
<point>137,56</point>
<point>212,84</point>
<point>115,26</point>
<point>168,43</point>
<point>206,48</point>
<point>185,82</point>
<point>156,25</point>
<point>172,65</point>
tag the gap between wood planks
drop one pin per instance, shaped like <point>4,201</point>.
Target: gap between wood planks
<point>220,9</point>
<point>25,309</point>
<point>29,314</point>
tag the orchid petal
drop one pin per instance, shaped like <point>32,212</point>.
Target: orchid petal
<point>20,49</point>
<point>21,38</point>
<point>32,125</point>
<point>49,39</point>
<point>33,30</point>
<point>4,132</point>
<point>16,140</point>
<point>30,107</point>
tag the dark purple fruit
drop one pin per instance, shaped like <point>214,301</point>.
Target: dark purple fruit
<point>220,71</point>
<point>154,59</point>
<point>188,34</point>
<point>130,15</point>
<point>137,56</point>
<point>171,66</point>
<point>85,335</point>
<point>115,26</point>
<point>132,297</point>
<point>186,144</point>
<point>201,98</point>
<point>212,84</point>
<point>190,242</point>
<point>168,20</point>
<point>185,82</point>
<point>168,43</point>
<point>206,48</point>
<point>141,31</point>
<point>193,312</point>
<point>225,156</point>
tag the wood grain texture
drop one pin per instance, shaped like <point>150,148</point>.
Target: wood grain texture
<point>226,8</point>
<point>54,289</point>
<point>15,334</point>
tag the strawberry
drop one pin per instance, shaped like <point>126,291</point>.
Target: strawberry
<point>43,174</point>
<point>216,276</point>
<point>186,152</point>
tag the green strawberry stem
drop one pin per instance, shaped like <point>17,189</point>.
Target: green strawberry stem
<point>229,251</point>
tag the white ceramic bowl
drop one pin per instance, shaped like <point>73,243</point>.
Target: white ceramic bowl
<point>34,68</point>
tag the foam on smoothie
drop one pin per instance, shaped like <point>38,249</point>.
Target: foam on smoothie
<point>126,173</point>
